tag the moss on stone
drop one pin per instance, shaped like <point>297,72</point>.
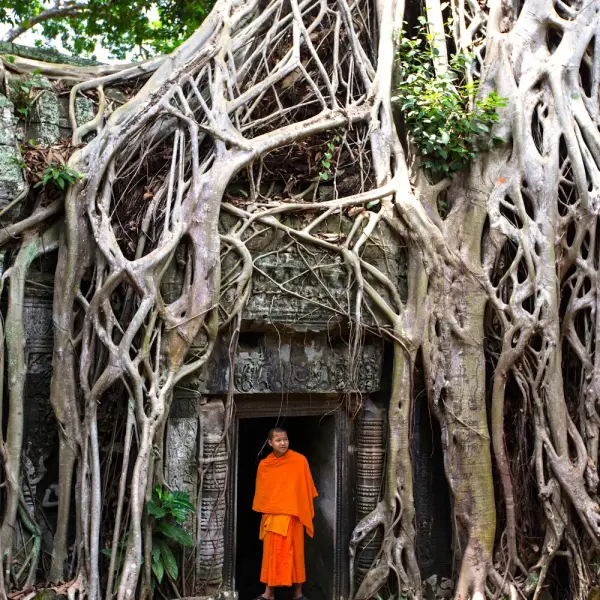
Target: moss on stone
<point>44,54</point>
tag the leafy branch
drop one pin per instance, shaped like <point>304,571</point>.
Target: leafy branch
<point>435,106</point>
<point>59,175</point>
<point>168,510</point>
<point>327,157</point>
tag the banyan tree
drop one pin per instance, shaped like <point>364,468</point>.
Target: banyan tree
<point>296,125</point>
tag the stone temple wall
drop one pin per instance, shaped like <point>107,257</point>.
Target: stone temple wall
<point>46,124</point>
<point>290,346</point>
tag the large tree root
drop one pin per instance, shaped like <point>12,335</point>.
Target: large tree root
<point>513,264</point>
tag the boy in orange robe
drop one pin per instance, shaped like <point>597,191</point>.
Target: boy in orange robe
<point>284,495</point>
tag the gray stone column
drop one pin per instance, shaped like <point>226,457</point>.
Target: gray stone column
<point>370,455</point>
<point>196,462</point>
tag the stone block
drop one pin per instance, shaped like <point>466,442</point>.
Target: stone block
<point>181,471</point>
<point>63,113</point>
<point>84,111</point>
<point>45,134</point>
<point>12,182</point>
<point>7,122</point>
<point>292,364</point>
<point>44,127</point>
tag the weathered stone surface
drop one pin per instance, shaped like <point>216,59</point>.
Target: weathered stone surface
<point>287,291</point>
<point>11,176</point>
<point>41,432</point>
<point>7,122</point>
<point>268,363</point>
<point>194,446</point>
<point>44,54</point>
<point>44,126</point>
<point>181,472</point>
<point>12,182</point>
<point>310,289</point>
<point>84,112</point>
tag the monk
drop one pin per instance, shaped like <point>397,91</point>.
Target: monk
<point>284,495</point>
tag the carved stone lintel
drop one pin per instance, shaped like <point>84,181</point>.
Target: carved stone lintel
<point>294,364</point>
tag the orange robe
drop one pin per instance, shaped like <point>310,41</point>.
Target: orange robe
<point>284,494</point>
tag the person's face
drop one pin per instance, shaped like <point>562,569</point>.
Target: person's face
<point>279,443</point>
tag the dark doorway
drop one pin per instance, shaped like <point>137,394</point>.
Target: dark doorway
<point>431,491</point>
<point>315,438</point>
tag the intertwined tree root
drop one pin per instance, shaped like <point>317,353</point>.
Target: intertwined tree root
<point>514,264</point>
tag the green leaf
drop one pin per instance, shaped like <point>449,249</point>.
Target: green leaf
<point>176,533</point>
<point>372,203</point>
<point>324,176</point>
<point>158,570</point>
<point>155,511</point>
<point>326,164</point>
<point>181,501</point>
<point>169,560</point>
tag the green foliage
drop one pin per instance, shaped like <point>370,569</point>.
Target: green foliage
<point>122,26</point>
<point>168,510</point>
<point>447,133</point>
<point>533,579</point>
<point>326,160</point>
<point>18,161</point>
<point>59,175</point>
<point>23,92</point>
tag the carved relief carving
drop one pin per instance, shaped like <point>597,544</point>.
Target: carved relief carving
<point>196,462</point>
<point>294,364</point>
<point>180,455</point>
<point>40,432</point>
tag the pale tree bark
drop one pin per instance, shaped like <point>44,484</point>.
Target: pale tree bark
<point>509,276</point>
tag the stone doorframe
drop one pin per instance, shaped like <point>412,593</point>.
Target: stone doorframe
<point>300,406</point>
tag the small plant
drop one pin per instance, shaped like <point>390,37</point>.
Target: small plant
<point>58,174</point>
<point>23,92</point>
<point>19,162</point>
<point>446,132</point>
<point>168,510</point>
<point>328,155</point>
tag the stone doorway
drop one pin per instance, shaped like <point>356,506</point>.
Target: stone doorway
<point>323,437</point>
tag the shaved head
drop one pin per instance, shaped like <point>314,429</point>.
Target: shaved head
<point>275,430</point>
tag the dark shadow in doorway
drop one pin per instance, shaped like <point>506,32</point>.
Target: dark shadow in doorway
<point>315,438</point>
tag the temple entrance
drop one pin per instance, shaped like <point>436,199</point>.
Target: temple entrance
<point>320,439</point>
